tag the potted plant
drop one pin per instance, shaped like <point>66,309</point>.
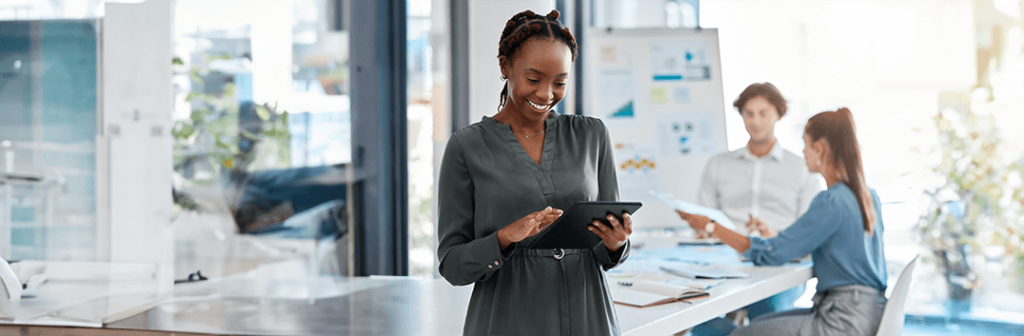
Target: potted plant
<point>1011,235</point>
<point>968,202</point>
<point>977,206</point>
<point>223,137</point>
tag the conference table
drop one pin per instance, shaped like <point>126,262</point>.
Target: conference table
<point>261,303</point>
<point>731,295</point>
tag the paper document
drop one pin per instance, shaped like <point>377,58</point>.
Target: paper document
<point>703,284</point>
<point>649,293</point>
<point>703,270</point>
<point>700,241</point>
<point>712,213</point>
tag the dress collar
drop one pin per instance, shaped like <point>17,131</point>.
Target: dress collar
<point>495,123</point>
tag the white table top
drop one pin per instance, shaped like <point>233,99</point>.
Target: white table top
<point>322,306</point>
<point>359,305</point>
<point>731,295</point>
<point>726,297</point>
<point>85,294</point>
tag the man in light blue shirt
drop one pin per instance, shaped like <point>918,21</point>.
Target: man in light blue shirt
<point>761,183</point>
<point>774,189</point>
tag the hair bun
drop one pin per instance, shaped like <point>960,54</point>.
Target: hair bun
<point>554,14</point>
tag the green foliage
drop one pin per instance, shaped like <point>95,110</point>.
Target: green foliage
<point>978,205</point>
<point>208,139</point>
<point>968,143</point>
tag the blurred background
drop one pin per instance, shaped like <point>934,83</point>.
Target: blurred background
<point>265,157</point>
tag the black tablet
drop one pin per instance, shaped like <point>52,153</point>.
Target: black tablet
<point>570,230</point>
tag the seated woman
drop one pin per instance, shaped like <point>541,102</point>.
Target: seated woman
<point>761,184</point>
<point>842,230</point>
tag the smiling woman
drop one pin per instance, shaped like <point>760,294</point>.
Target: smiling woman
<point>505,178</point>
<point>535,55</point>
<point>534,84</point>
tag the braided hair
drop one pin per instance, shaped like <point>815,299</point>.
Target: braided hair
<point>525,25</point>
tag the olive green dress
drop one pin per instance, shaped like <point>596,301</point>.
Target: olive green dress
<point>488,181</point>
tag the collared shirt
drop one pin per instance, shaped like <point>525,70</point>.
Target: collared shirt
<point>777,188</point>
<point>832,231</point>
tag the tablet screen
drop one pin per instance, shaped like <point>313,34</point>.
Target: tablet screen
<point>570,230</point>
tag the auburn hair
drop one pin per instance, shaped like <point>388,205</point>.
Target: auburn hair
<point>526,25</point>
<point>766,90</point>
<point>839,132</point>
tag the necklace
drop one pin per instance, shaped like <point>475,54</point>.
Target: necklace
<point>527,136</point>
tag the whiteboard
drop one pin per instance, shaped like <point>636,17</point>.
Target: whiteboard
<point>660,93</point>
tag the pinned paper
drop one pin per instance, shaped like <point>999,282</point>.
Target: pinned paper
<point>685,133</point>
<point>608,54</point>
<point>617,95</point>
<point>659,95</point>
<point>677,61</point>
<point>636,167</point>
<point>681,94</point>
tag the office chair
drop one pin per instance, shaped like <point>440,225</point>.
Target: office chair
<point>892,316</point>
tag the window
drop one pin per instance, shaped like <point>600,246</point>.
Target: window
<point>645,14</point>
<point>47,145</point>
<point>428,113</point>
<point>931,99</point>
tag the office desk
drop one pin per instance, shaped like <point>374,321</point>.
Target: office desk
<point>322,306</point>
<point>85,294</point>
<point>731,295</point>
<point>360,305</point>
<point>726,297</point>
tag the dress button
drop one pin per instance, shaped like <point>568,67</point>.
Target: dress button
<point>769,248</point>
<point>495,263</point>
<point>489,266</point>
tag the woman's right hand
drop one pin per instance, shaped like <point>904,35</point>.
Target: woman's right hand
<point>696,222</point>
<point>527,226</point>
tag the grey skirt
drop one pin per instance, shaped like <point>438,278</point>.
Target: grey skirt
<point>850,310</point>
<point>846,310</point>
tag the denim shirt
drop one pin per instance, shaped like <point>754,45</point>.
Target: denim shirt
<point>832,231</point>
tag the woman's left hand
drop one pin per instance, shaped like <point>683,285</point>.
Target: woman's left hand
<point>697,222</point>
<point>762,228</point>
<point>614,236</point>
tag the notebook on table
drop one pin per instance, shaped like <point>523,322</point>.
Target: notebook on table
<point>646,293</point>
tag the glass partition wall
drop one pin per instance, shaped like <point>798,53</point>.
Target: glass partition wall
<point>262,136</point>
<point>48,111</point>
